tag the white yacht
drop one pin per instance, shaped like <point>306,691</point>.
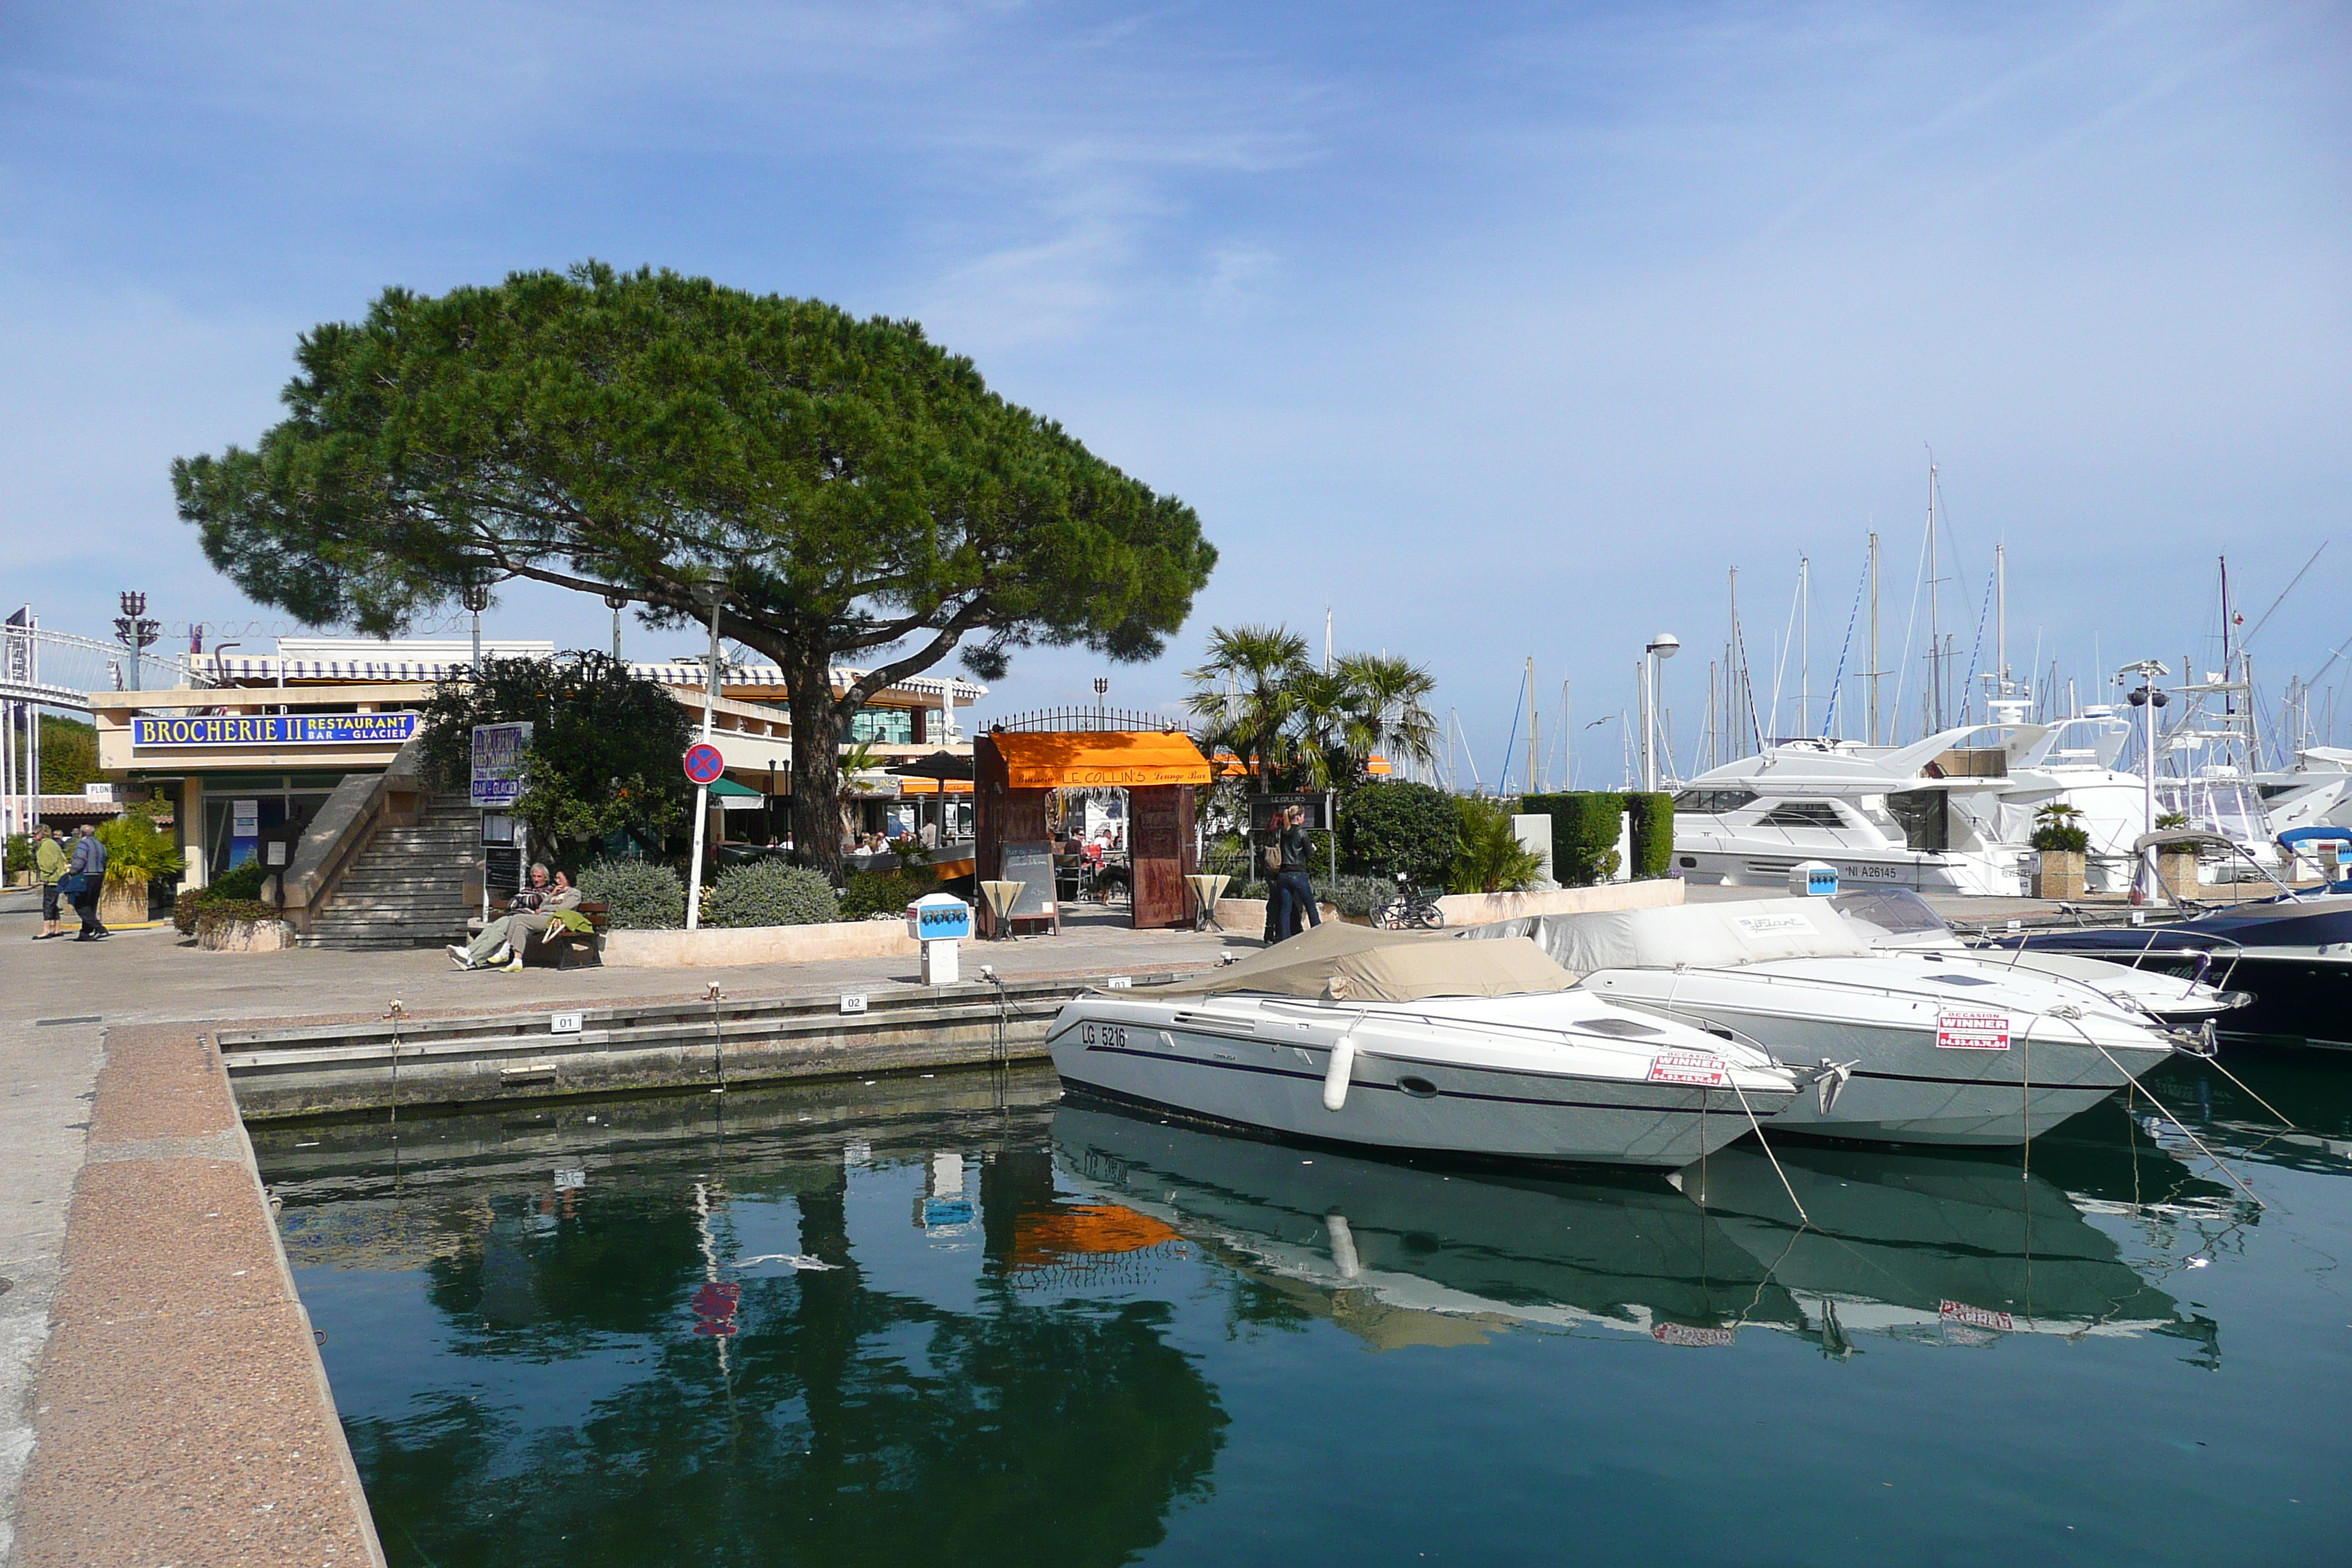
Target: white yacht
<point>1941,814</point>
<point>1913,1049</point>
<point>1417,1041</point>
<point>1895,920</point>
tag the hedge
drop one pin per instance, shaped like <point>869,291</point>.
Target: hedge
<point>1395,825</point>
<point>1653,833</point>
<point>1583,834</point>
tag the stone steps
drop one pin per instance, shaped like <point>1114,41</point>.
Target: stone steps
<point>407,889</point>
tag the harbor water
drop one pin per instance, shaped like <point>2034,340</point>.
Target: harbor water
<point>961,1320</point>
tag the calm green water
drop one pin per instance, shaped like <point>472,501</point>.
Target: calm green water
<point>1058,1335</point>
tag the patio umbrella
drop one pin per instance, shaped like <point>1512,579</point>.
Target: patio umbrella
<point>938,765</point>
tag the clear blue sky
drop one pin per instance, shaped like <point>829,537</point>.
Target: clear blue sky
<point>1500,331</point>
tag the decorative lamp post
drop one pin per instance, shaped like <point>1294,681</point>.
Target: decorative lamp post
<point>617,603</point>
<point>2148,700</point>
<point>1664,646</point>
<point>475,594</point>
<point>709,591</point>
<point>1102,689</point>
<point>137,632</point>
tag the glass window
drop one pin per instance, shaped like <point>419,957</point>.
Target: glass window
<point>1803,813</point>
<point>1895,912</point>
<point>1713,801</point>
<point>883,726</point>
<point>1925,815</point>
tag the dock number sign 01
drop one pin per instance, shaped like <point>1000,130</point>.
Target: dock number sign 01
<point>704,765</point>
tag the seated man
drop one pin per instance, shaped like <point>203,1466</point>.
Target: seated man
<point>530,912</point>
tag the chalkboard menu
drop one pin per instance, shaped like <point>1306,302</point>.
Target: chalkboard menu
<point>1032,864</point>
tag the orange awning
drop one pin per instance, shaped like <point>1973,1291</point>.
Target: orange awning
<point>934,786</point>
<point>1059,760</point>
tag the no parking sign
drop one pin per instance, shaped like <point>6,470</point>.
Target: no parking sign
<point>704,765</point>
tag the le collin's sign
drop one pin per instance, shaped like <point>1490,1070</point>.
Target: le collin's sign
<point>276,729</point>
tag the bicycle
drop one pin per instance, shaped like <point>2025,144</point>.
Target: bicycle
<point>1412,909</point>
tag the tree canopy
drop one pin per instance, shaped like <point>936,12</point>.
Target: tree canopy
<point>1259,696</point>
<point>604,745</point>
<point>849,491</point>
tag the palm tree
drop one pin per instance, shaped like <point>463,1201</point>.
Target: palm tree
<point>1392,716</point>
<point>1246,694</point>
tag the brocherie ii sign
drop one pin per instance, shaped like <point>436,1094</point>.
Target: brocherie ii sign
<point>276,729</point>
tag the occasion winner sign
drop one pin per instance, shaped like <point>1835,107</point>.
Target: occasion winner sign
<point>276,729</point>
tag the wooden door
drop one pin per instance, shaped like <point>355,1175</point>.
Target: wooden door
<point>1160,851</point>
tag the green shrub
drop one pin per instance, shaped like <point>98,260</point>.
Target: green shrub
<point>20,854</point>
<point>1394,824</point>
<point>214,913</point>
<point>769,893</point>
<point>240,881</point>
<point>2058,825</point>
<point>642,895</point>
<point>871,893</point>
<point>137,850</point>
<point>1491,860</point>
<point>1583,834</point>
<point>1652,824</point>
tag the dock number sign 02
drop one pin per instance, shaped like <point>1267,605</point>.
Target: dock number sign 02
<point>704,765</point>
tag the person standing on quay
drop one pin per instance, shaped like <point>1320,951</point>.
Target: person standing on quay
<point>87,870</point>
<point>1292,887</point>
<point>48,868</point>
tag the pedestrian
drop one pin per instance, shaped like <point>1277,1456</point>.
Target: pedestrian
<point>529,914</point>
<point>1297,892</point>
<point>84,879</point>
<point>49,860</point>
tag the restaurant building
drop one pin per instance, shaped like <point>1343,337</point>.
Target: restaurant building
<point>254,753</point>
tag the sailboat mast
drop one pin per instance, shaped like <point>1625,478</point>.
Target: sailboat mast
<point>1874,639</point>
<point>1534,722</point>
<point>1935,621</point>
<point>2001,599</point>
<point>1804,643</point>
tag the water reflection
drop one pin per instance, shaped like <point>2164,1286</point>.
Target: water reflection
<point>1930,1246</point>
<point>676,1339</point>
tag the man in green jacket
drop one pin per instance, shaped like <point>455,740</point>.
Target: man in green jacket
<point>48,865</point>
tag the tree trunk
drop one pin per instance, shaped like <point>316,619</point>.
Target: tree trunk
<point>816,766</point>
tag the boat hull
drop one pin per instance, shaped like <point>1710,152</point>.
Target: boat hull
<point>1905,1088</point>
<point>1277,1086</point>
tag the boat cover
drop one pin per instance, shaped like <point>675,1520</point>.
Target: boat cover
<point>1343,962</point>
<point>1706,936</point>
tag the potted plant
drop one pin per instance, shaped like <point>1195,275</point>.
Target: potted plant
<point>137,852</point>
<point>2061,841</point>
<point>2176,864</point>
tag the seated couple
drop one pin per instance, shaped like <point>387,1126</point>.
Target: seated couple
<point>529,914</point>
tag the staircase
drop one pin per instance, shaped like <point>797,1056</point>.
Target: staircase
<point>407,886</point>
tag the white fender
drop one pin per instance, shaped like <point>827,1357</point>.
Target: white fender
<point>1336,1076</point>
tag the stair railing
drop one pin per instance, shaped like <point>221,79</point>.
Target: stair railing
<point>346,825</point>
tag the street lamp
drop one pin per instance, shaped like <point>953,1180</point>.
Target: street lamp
<point>1664,646</point>
<point>1102,689</point>
<point>711,591</point>
<point>617,603</point>
<point>2148,700</point>
<point>474,592</point>
<point>138,633</point>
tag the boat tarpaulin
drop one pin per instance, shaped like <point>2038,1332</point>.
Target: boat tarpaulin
<point>1343,962</point>
<point>1066,760</point>
<point>1707,936</point>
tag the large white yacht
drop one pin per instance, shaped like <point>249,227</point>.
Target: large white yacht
<point>1950,814</point>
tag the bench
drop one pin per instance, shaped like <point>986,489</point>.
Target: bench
<point>556,947</point>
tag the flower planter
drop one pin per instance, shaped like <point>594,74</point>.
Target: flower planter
<point>243,936</point>
<point>123,901</point>
<point>2178,872</point>
<point>2058,874</point>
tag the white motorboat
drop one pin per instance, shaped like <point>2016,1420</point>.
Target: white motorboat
<point>1894,920</point>
<point>1416,1041</point>
<point>1924,1050</point>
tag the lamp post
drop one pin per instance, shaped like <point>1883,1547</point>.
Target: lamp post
<point>2148,700</point>
<point>138,633</point>
<point>1102,689</point>
<point>1664,646</point>
<point>710,593</point>
<point>475,594</point>
<point>617,603</point>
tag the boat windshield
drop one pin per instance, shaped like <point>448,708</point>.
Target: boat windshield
<point>1891,911</point>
